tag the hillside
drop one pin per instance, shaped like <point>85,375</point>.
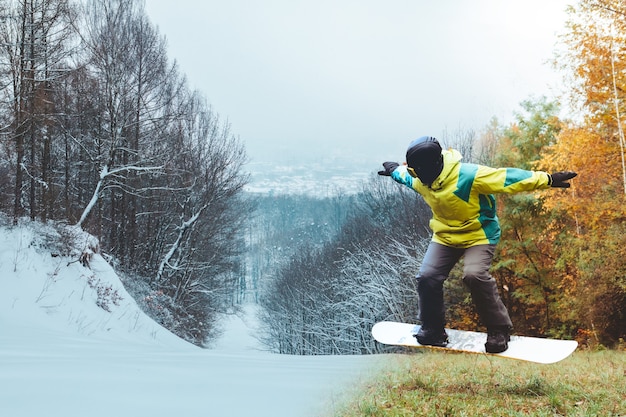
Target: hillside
<point>73,343</point>
<point>49,284</point>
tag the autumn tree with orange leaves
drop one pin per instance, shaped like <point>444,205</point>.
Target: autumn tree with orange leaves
<point>562,264</point>
<point>585,228</point>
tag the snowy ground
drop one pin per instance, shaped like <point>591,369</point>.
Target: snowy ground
<point>63,355</point>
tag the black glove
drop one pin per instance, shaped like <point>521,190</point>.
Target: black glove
<point>389,168</point>
<point>559,179</point>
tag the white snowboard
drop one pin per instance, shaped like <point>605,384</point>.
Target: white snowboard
<point>531,349</point>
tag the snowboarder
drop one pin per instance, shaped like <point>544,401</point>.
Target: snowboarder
<point>464,223</point>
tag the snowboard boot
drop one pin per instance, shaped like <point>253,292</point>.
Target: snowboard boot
<point>498,338</point>
<point>432,336</point>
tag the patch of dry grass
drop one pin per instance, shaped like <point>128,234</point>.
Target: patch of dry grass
<point>430,383</point>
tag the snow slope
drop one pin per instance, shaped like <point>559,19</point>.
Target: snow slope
<point>62,354</point>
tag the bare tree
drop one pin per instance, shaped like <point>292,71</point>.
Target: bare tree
<point>128,59</point>
<point>35,36</point>
<point>463,140</point>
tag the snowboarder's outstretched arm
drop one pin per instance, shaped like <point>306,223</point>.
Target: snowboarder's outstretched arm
<point>398,172</point>
<point>487,180</point>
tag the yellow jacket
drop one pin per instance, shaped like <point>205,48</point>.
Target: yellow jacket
<point>464,209</point>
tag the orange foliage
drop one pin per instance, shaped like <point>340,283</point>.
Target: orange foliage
<point>597,194</point>
<point>591,260</point>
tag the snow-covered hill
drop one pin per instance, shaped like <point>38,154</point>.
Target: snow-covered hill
<point>74,343</point>
<point>52,285</point>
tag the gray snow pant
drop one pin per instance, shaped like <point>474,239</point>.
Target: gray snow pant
<point>436,266</point>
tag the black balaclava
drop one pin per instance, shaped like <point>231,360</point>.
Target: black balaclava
<point>424,156</point>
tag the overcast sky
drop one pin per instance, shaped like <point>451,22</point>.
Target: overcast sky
<point>302,79</point>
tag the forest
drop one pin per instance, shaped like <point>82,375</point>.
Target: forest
<point>99,129</point>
